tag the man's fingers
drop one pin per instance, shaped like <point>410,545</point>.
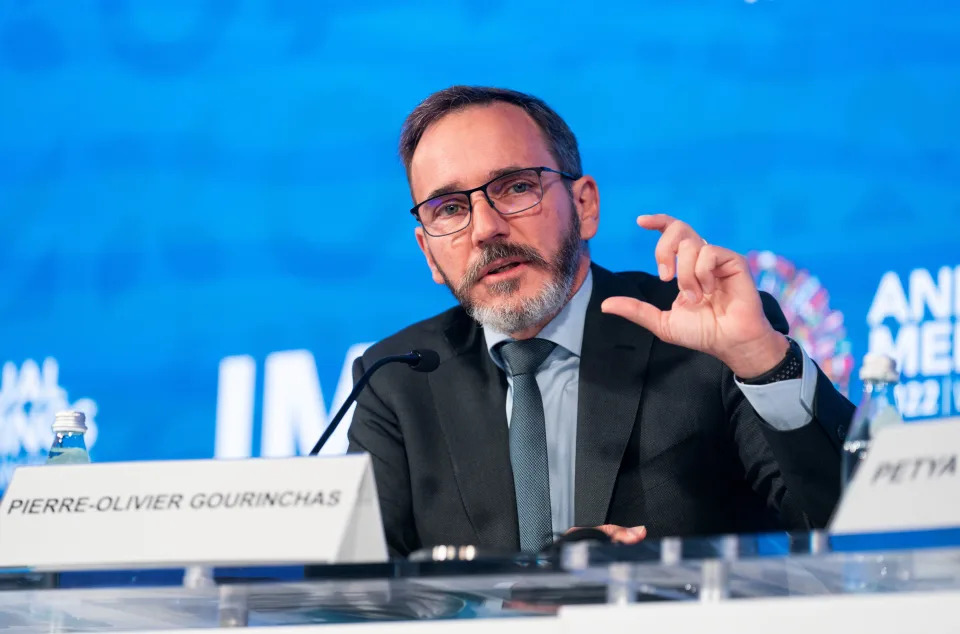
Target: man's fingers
<point>704,268</point>
<point>715,263</point>
<point>633,535</point>
<point>639,312</point>
<point>687,258</point>
<point>609,529</point>
<point>654,222</point>
<point>623,534</point>
<point>665,251</point>
<point>673,233</point>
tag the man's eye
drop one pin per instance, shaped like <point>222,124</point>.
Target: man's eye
<point>449,209</point>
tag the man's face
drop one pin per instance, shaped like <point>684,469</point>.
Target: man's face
<point>508,270</point>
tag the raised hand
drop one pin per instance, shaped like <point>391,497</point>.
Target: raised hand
<point>718,310</point>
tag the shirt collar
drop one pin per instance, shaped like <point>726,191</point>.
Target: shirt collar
<point>565,330</point>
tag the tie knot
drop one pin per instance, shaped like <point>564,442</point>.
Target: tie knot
<point>524,357</point>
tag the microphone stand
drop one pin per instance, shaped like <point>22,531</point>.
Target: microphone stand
<point>411,358</point>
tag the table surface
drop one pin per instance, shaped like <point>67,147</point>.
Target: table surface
<point>498,591</point>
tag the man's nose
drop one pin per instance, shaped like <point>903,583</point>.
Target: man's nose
<point>487,223</point>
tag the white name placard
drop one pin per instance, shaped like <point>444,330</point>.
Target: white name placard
<point>909,481</point>
<point>214,512</point>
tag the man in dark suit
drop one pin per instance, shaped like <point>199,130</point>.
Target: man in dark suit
<point>568,395</point>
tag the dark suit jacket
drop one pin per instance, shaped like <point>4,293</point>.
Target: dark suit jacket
<point>665,438</point>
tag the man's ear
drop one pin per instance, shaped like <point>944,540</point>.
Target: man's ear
<point>586,203</point>
<point>425,248</point>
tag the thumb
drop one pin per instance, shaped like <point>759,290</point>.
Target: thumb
<point>639,312</point>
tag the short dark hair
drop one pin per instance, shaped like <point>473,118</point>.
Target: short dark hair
<point>560,139</point>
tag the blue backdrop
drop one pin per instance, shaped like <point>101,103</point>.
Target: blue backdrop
<point>202,212</point>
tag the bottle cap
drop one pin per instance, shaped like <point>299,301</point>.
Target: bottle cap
<point>70,421</point>
<point>879,367</point>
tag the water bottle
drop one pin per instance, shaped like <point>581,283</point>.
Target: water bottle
<point>68,444</point>
<point>877,410</point>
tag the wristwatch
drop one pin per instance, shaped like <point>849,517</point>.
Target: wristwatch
<point>791,367</point>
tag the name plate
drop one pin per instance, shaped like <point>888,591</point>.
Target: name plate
<point>909,481</point>
<point>206,512</point>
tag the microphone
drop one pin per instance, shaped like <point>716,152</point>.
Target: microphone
<point>419,360</point>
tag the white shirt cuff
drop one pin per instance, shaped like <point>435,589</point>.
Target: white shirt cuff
<point>785,405</point>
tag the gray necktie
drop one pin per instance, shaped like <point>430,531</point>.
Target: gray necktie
<point>528,441</point>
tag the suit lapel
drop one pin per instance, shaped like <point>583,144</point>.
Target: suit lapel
<point>613,363</point>
<point>470,395</point>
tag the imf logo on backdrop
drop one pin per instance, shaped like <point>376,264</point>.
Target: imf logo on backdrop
<point>29,398</point>
<point>294,411</point>
<point>806,305</point>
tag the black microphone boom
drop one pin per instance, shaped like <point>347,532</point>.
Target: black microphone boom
<point>419,360</point>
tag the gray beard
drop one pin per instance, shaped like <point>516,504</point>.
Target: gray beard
<point>506,318</point>
<point>509,319</point>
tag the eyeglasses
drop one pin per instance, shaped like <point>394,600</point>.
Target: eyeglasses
<point>508,194</point>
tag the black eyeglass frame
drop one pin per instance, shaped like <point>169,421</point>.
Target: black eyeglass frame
<point>483,188</point>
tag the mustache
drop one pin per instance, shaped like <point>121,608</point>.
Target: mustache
<point>493,252</point>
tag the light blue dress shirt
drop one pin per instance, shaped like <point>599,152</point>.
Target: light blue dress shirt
<point>784,405</point>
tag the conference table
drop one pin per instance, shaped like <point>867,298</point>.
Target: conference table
<point>782,582</point>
